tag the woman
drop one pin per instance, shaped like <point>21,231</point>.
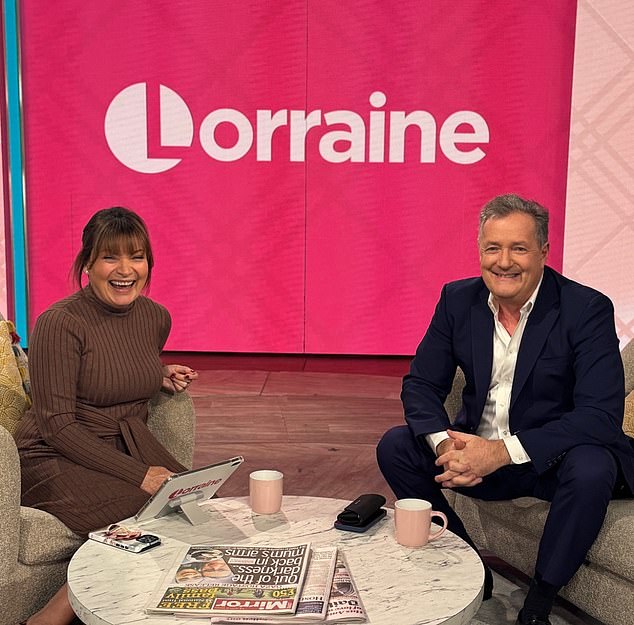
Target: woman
<point>86,453</point>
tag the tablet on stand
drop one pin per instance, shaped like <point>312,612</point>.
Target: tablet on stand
<point>185,491</point>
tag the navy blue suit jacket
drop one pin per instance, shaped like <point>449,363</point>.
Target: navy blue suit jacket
<point>568,388</point>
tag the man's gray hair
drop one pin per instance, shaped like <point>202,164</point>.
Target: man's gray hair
<point>504,205</point>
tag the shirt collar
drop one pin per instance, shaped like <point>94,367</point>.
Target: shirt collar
<point>526,308</point>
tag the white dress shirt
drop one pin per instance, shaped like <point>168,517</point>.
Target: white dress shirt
<point>494,423</point>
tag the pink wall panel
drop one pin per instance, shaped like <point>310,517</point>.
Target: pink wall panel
<point>229,237</point>
<point>290,250</point>
<point>599,243</point>
<point>395,233</point>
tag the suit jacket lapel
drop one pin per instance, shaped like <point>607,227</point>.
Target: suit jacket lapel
<point>538,327</point>
<point>482,346</point>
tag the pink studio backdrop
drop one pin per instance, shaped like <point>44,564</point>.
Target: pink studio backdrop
<point>264,241</point>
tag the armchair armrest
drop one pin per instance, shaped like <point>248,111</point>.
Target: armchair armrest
<point>9,504</point>
<point>44,539</point>
<point>172,420</point>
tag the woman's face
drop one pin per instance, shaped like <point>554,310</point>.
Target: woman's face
<point>118,278</point>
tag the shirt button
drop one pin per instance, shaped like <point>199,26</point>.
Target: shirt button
<point>505,433</point>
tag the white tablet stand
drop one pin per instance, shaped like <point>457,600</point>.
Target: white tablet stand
<point>190,508</point>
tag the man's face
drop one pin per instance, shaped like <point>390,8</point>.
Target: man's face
<point>510,258</point>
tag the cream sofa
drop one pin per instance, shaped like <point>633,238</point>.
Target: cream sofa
<point>35,547</point>
<point>604,586</point>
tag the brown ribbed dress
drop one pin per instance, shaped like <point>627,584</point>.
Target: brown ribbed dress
<point>84,445</point>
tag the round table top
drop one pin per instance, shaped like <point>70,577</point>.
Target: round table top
<point>439,583</point>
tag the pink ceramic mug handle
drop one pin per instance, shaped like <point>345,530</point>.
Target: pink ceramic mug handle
<point>444,525</point>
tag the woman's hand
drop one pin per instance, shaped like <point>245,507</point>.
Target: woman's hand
<point>153,479</point>
<point>176,378</point>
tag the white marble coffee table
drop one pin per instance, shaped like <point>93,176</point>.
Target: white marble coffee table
<point>439,583</point>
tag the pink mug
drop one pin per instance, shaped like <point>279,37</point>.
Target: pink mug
<point>412,521</point>
<point>265,491</point>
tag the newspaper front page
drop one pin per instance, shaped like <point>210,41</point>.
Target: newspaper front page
<point>330,596</point>
<point>233,579</point>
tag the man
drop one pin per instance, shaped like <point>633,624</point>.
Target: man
<point>542,406</point>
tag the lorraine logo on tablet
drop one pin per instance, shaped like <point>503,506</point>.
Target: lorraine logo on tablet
<point>190,489</point>
<point>374,136</point>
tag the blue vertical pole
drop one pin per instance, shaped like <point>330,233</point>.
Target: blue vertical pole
<point>16,178</point>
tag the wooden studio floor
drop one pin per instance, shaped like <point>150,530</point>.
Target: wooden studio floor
<point>319,428</point>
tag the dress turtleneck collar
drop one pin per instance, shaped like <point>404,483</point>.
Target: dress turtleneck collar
<point>120,311</point>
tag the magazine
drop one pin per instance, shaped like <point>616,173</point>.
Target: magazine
<point>343,602</point>
<point>232,579</point>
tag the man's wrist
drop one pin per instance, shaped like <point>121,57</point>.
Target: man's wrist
<point>435,438</point>
<point>502,453</point>
<point>516,450</point>
<point>443,446</point>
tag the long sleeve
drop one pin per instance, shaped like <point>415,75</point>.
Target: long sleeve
<point>93,370</point>
<point>431,374</point>
<point>597,390</point>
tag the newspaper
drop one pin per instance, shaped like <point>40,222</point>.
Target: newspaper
<point>340,605</point>
<point>313,601</point>
<point>232,579</point>
<point>344,605</point>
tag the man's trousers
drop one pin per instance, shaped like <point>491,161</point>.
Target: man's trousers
<point>579,489</point>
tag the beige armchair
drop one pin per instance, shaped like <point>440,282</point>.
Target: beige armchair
<point>604,586</point>
<point>35,547</point>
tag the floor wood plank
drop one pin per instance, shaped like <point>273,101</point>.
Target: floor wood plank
<point>332,384</point>
<point>228,383</point>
